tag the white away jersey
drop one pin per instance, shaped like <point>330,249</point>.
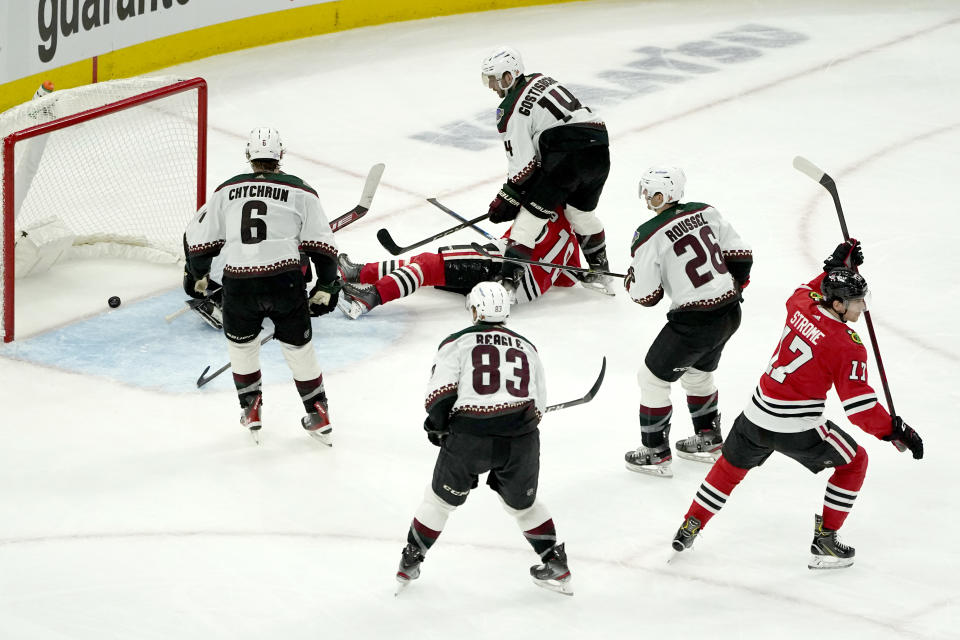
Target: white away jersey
<point>683,251</point>
<point>540,103</point>
<point>260,221</point>
<point>491,371</point>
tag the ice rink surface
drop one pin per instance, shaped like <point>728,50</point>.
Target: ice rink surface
<point>135,506</point>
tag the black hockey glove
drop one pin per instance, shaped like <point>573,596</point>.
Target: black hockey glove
<point>904,437</point>
<point>190,285</point>
<point>434,435</point>
<point>848,254</point>
<point>511,273</point>
<point>323,297</point>
<point>506,205</point>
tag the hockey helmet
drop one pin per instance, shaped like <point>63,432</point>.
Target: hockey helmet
<point>844,285</point>
<point>490,302</point>
<point>501,60</point>
<point>667,180</point>
<point>264,144</point>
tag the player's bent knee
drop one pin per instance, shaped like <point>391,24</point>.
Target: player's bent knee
<point>698,383</point>
<point>654,391</point>
<point>244,357</point>
<point>584,223</point>
<point>434,511</point>
<point>530,517</point>
<point>526,228</point>
<point>301,360</point>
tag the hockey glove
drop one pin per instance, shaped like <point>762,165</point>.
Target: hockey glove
<point>904,437</point>
<point>506,205</point>
<point>195,288</point>
<point>434,435</point>
<point>848,254</point>
<point>323,297</point>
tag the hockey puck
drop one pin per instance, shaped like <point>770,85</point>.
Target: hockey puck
<point>114,302</point>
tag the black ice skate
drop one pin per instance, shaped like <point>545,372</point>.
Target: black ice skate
<point>553,574</point>
<point>826,551</point>
<point>686,534</point>
<point>654,462</point>
<point>317,424</point>
<point>701,447</point>
<point>357,300</point>
<point>250,418</point>
<point>409,569</point>
<point>349,271</point>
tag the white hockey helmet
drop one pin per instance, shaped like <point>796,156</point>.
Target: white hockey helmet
<point>264,144</point>
<point>501,60</point>
<point>667,180</point>
<point>489,302</point>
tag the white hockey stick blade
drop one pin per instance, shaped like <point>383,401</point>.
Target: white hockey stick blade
<point>803,165</point>
<point>370,186</point>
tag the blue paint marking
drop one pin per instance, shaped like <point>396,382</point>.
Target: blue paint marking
<point>134,345</point>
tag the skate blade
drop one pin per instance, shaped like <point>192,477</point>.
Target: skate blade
<point>600,287</point>
<point>349,308</point>
<point>708,457</point>
<point>322,438</point>
<point>255,435</point>
<point>660,470</point>
<point>828,562</point>
<point>563,587</point>
<point>401,585</point>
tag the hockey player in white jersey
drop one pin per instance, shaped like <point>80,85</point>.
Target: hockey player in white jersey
<point>557,155</point>
<point>260,221</point>
<point>691,253</point>
<point>484,402</point>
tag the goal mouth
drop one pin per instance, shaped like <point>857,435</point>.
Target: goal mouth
<point>121,165</point>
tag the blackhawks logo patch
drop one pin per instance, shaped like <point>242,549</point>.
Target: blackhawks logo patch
<point>815,296</point>
<point>854,336</point>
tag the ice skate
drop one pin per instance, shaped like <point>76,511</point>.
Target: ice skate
<point>349,271</point>
<point>701,447</point>
<point>250,418</point>
<point>654,462</point>
<point>409,569</point>
<point>357,300</point>
<point>553,574</point>
<point>597,281</point>
<point>686,534</point>
<point>826,551</point>
<point>318,425</point>
<point>211,313</point>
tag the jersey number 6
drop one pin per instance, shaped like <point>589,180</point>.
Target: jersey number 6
<point>486,364</point>
<point>253,230</point>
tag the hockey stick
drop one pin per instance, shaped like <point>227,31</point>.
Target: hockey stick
<point>388,243</point>
<point>366,199</point>
<point>546,265</point>
<point>585,399</point>
<point>459,217</point>
<point>189,306</point>
<point>805,166</point>
<point>204,380</point>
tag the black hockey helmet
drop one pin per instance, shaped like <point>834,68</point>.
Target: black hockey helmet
<point>843,284</point>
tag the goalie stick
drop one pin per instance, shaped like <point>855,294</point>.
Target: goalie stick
<point>803,165</point>
<point>459,217</point>
<point>366,199</point>
<point>546,265</point>
<point>204,380</point>
<point>388,243</point>
<point>585,399</point>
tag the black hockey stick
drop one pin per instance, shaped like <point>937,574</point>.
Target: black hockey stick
<point>546,265</point>
<point>204,380</point>
<point>585,399</point>
<point>388,243</point>
<point>366,199</point>
<point>805,166</point>
<point>459,217</point>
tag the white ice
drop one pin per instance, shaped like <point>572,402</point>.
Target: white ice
<point>142,509</point>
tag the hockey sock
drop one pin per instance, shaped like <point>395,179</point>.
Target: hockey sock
<point>373,271</point>
<point>248,387</point>
<point>425,269</point>
<point>703,411</point>
<point>594,248</point>
<point>422,536</point>
<point>542,537</point>
<point>714,490</point>
<point>655,425</point>
<point>842,490</point>
<point>311,391</point>
<point>429,520</point>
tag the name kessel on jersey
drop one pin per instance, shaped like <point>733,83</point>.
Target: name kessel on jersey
<point>259,191</point>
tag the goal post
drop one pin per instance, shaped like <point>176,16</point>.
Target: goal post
<point>117,168</point>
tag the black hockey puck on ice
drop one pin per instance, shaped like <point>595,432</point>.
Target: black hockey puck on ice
<point>114,302</point>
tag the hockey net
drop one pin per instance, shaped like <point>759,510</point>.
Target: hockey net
<point>118,168</point>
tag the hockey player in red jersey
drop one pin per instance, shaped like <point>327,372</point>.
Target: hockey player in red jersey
<point>817,351</point>
<point>458,268</point>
